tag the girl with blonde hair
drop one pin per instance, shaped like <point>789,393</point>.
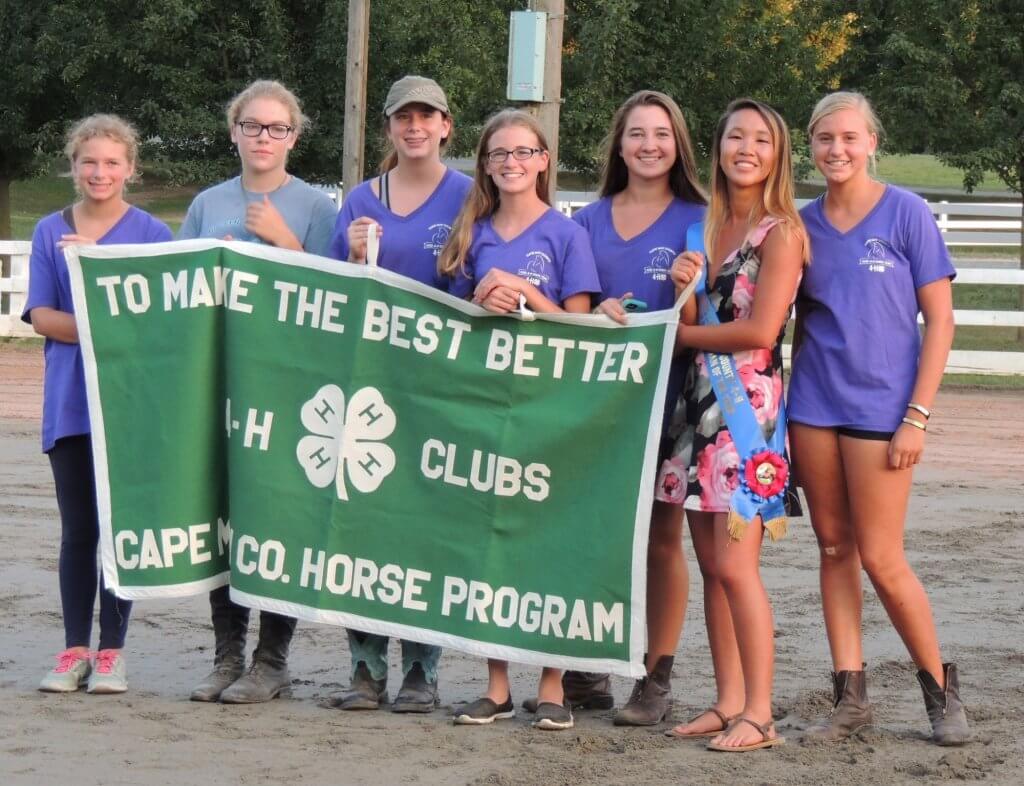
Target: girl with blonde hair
<point>103,152</point>
<point>263,204</point>
<point>862,391</point>
<point>510,247</point>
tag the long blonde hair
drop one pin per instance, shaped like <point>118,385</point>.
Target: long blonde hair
<point>777,198</point>
<point>484,198</point>
<point>682,177</point>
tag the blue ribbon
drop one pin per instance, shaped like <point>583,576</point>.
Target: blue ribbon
<point>737,410</point>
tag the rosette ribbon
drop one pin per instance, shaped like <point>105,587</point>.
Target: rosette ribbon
<point>764,471</point>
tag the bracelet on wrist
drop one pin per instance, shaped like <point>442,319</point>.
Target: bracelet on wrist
<point>916,423</point>
<point>923,410</point>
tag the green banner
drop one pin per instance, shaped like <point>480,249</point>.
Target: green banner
<point>345,445</point>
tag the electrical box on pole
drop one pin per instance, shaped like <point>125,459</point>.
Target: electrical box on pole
<point>526,42</point>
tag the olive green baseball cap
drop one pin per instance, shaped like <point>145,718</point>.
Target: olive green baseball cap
<point>415,90</point>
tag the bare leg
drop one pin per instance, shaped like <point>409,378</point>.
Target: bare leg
<point>721,637</point>
<point>550,688</point>
<point>738,564</point>
<point>668,582</point>
<point>878,508</point>
<point>818,461</point>
<point>498,688</point>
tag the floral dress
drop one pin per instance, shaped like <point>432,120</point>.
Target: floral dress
<point>702,471</point>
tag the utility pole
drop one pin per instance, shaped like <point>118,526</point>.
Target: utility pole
<point>547,112</point>
<point>355,93</point>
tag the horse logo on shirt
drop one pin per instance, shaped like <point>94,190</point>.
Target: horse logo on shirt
<point>438,237</point>
<point>660,261</point>
<point>877,259</point>
<point>536,268</point>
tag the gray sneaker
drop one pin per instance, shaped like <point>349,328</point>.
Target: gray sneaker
<point>71,671</point>
<point>484,711</point>
<point>109,673</point>
<point>553,717</point>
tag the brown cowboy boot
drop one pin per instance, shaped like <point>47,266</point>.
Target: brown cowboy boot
<point>651,699</point>
<point>945,710</point>
<point>850,711</point>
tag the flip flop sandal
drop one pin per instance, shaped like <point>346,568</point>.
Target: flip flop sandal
<point>696,735</point>
<point>766,741</point>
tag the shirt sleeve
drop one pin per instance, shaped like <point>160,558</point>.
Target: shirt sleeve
<point>192,224</point>
<point>925,249</point>
<point>319,237</point>
<point>338,248</point>
<point>42,274</point>
<point>159,232</point>
<point>579,270</point>
<point>464,281</point>
<point>582,217</point>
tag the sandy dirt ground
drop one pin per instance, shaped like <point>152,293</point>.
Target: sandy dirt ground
<point>964,538</point>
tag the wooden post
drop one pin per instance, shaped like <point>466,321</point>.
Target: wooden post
<point>547,112</point>
<point>355,93</point>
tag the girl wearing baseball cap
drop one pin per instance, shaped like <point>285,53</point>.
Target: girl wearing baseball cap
<point>412,203</point>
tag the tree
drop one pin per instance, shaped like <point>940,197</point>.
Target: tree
<point>169,67</point>
<point>704,54</point>
<point>34,100</point>
<point>951,75</point>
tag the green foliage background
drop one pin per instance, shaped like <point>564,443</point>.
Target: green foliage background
<point>946,76</point>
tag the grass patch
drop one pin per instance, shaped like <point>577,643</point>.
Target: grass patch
<point>1009,252</point>
<point>32,344</point>
<point>925,171</point>
<point>982,382</point>
<point>33,199</point>
<point>986,297</point>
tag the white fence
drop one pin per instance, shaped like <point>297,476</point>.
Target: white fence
<point>13,286</point>
<point>962,224</point>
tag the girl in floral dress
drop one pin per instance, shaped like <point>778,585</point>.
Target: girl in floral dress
<point>756,252</point>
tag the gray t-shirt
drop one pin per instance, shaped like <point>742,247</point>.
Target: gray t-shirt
<point>220,210</point>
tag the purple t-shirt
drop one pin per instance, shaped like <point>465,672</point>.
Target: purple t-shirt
<point>409,244</point>
<point>65,410</point>
<point>639,265</point>
<point>857,363</point>
<point>553,254</point>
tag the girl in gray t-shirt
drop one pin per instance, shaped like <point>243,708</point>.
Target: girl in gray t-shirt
<point>265,204</point>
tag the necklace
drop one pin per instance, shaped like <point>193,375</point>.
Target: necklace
<point>257,196</point>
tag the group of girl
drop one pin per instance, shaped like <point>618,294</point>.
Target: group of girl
<point>860,262</point>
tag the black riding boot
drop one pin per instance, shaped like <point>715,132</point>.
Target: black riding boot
<point>268,676</point>
<point>230,623</point>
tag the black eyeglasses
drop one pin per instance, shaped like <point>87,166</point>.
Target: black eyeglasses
<point>500,155</point>
<point>274,130</point>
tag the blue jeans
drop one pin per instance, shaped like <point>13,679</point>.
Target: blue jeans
<point>372,650</point>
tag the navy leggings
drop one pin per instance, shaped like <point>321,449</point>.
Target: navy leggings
<point>71,461</point>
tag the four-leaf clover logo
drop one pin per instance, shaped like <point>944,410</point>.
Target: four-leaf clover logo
<point>346,441</point>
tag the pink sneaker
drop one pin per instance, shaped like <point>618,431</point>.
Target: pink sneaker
<point>72,669</point>
<point>109,673</point>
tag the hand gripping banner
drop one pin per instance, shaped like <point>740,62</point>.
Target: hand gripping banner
<point>345,445</point>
